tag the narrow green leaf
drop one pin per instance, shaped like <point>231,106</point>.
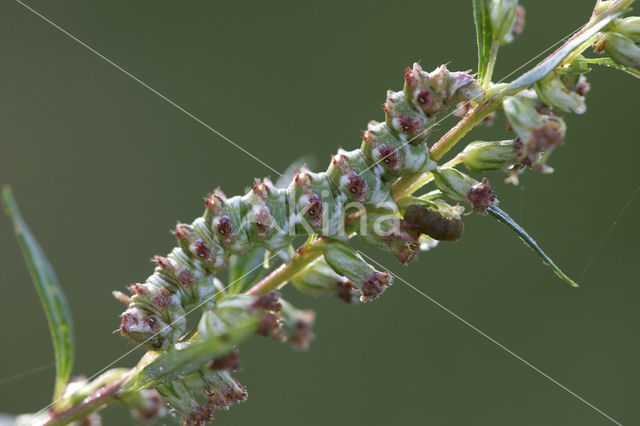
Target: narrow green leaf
<point>179,361</point>
<point>608,62</point>
<point>549,64</point>
<point>526,238</point>
<point>246,270</point>
<point>484,36</point>
<point>50,293</point>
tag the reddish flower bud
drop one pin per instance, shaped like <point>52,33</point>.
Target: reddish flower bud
<point>481,196</point>
<point>375,286</point>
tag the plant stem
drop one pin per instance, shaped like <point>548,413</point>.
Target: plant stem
<point>404,186</point>
<point>276,279</point>
<point>421,180</point>
<point>94,402</point>
<point>495,46</point>
<point>407,185</point>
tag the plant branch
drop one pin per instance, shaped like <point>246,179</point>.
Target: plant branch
<point>406,185</point>
<point>277,278</point>
<point>94,402</point>
<point>111,389</point>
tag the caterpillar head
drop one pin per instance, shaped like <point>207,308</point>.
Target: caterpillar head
<point>143,327</point>
<point>419,91</point>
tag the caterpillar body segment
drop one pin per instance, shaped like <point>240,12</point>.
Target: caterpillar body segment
<point>316,206</point>
<point>313,203</point>
<point>360,180</point>
<point>394,151</point>
<point>267,221</point>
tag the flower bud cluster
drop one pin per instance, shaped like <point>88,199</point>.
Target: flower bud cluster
<point>196,396</point>
<point>538,134</point>
<point>482,156</point>
<point>622,42</point>
<point>507,20</point>
<point>564,91</point>
<point>297,325</point>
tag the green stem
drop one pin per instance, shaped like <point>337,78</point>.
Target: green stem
<point>411,186</point>
<point>464,126</point>
<point>405,186</point>
<point>495,47</point>
<point>280,276</point>
<point>94,402</point>
<point>76,397</point>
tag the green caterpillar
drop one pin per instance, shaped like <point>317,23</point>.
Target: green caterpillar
<point>270,217</point>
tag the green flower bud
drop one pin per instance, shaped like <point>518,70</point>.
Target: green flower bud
<point>621,49</point>
<point>318,279</point>
<point>461,187</point>
<point>522,114</point>
<point>239,311</point>
<point>601,6</point>
<point>221,388</point>
<point>179,396</point>
<point>503,17</point>
<point>297,325</point>
<point>481,156</point>
<point>453,183</point>
<point>629,27</point>
<point>346,261</point>
<point>145,404</point>
<point>553,91</point>
<point>537,134</point>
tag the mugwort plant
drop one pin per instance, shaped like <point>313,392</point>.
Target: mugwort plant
<point>378,193</point>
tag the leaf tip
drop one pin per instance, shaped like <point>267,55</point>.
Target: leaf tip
<point>7,196</point>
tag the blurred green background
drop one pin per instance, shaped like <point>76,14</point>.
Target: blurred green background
<point>102,169</point>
